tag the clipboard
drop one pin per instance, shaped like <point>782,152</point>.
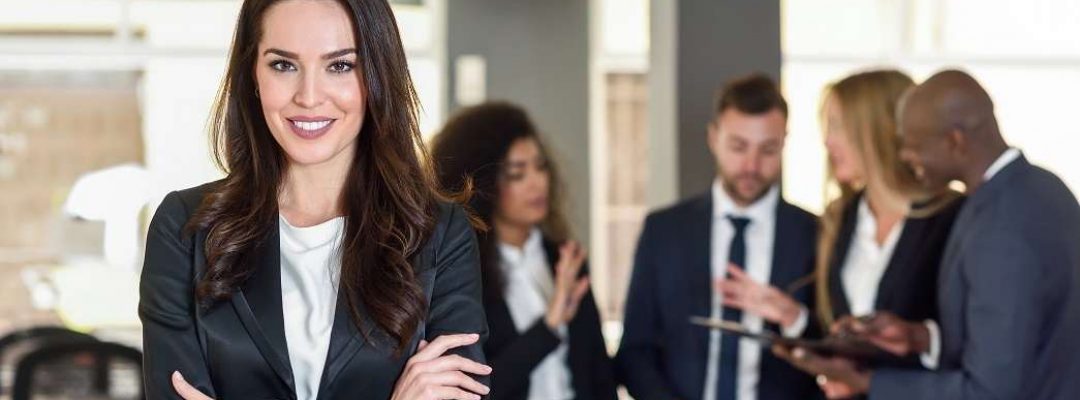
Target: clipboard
<point>854,348</point>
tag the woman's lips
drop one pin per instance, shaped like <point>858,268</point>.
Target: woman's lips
<point>310,128</point>
<point>538,203</point>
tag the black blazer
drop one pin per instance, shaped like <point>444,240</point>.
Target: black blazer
<point>236,349</point>
<point>514,356</point>
<point>909,286</point>
<point>663,356</point>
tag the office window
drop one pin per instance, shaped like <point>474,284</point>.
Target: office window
<point>618,149</point>
<point>1024,52</point>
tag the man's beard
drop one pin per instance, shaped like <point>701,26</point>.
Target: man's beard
<point>730,185</point>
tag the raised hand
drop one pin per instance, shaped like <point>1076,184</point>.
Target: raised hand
<point>569,289</point>
<point>742,292</point>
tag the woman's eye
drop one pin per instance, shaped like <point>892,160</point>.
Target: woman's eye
<point>282,66</point>
<point>512,174</point>
<point>341,67</point>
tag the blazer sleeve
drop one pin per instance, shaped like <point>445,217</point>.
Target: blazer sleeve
<point>167,306</point>
<point>515,360</point>
<point>603,373</point>
<point>513,363</point>
<point>456,305</point>
<point>638,361</point>
<point>1002,320</point>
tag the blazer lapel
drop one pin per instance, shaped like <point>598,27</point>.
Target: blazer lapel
<point>786,257</point>
<point>906,249</point>
<point>260,310</point>
<point>971,208</point>
<point>783,258</point>
<point>699,256</point>
<point>694,263</point>
<point>841,247</point>
<point>345,340</point>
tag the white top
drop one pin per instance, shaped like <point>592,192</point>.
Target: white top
<point>932,356</point>
<point>759,237</point>
<point>529,286</point>
<point>866,261</point>
<point>310,271</point>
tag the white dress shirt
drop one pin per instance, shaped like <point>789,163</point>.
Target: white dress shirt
<point>759,237</point>
<point>529,286</point>
<point>866,261</point>
<point>932,356</point>
<point>310,271</point>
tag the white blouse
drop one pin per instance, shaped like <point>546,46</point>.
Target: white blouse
<point>529,286</point>
<point>310,271</point>
<point>866,261</point>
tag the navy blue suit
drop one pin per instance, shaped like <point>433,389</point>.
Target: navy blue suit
<point>663,356</point>
<point>1009,297</point>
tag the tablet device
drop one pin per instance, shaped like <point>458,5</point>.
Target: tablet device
<point>849,347</point>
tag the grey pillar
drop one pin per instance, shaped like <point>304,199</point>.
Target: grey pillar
<point>696,46</point>
<point>536,55</point>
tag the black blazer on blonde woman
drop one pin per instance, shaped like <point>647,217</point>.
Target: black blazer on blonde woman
<point>514,355</point>
<point>909,286</point>
<point>236,349</point>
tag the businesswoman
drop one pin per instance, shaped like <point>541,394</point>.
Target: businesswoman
<point>545,338</point>
<point>325,265</point>
<point>882,238</point>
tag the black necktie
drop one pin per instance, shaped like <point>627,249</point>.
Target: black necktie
<point>729,344</point>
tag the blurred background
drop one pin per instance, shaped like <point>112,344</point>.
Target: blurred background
<point>104,103</point>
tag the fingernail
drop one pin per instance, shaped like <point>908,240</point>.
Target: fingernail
<point>487,390</point>
<point>798,352</point>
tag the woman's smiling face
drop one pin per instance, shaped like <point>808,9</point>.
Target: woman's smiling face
<point>309,84</point>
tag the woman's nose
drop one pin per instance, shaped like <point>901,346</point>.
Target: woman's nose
<point>309,94</point>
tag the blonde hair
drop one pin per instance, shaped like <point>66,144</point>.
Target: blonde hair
<point>868,101</point>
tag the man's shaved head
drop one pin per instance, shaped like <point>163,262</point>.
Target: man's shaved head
<point>956,101</point>
<point>948,128</point>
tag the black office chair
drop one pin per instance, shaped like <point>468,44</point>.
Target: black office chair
<point>85,370</point>
<point>15,345</point>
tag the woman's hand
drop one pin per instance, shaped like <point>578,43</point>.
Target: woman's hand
<point>767,302</point>
<point>430,375</point>
<point>569,289</point>
<point>185,390</point>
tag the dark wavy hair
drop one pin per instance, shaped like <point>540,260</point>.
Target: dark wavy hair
<point>469,153</point>
<point>390,199</point>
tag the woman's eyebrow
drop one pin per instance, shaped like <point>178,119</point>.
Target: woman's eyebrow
<point>283,53</point>
<point>294,56</point>
<point>339,53</point>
